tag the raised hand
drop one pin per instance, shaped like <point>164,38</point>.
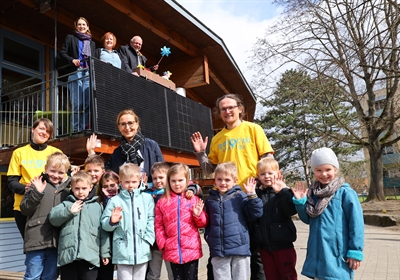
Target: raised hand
<point>250,187</point>
<point>77,206</point>
<point>199,144</point>
<point>91,143</point>
<point>39,184</point>
<point>300,191</point>
<point>189,194</point>
<point>116,215</point>
<point>198,207</point>
<point>144,178</point>
<point>75,169</point>
<point>278,183</point>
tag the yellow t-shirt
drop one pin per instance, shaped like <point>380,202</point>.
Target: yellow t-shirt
<point>244,145</point>
<point>28,163</point>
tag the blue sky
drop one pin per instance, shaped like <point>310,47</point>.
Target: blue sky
<point>238,23</point>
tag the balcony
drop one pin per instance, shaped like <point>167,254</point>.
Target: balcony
<point>165,116</point>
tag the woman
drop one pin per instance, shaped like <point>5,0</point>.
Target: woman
<point>27,162</point>
<point>134,148</point>
<point>108,54</point>
<point>75,50</point>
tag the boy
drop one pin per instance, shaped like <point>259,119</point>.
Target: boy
<point>130,216</point>
<point>82,239</point>
<point>47,190</point>
<point>275,231</point>
<point>94,166</point>
<point>229,209</point>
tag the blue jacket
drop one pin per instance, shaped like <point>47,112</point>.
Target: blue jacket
<point>134,234</point>
<point>150,151</point>
<point>227,232</point>
<point>335,235</point>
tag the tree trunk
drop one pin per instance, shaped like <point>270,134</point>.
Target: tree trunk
<point>376,175</point>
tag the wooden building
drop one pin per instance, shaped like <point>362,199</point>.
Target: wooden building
<point>33,85</point>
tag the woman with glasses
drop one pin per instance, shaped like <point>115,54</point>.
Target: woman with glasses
<point>134,148</point>
<point>242,142</point>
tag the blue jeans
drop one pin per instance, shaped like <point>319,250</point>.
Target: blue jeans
<point>78,84</point>
<point>41,265</point>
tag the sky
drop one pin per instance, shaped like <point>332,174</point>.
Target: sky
<point>237,23</point>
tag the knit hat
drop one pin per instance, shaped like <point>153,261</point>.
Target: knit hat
<point>323,156</point>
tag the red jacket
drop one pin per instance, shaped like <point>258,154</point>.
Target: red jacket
<point>177,233</point>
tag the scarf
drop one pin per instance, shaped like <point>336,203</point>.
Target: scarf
<point>130,150</point>
<point>324,195</point>
<point>86,50</point>
<point>38,147</point>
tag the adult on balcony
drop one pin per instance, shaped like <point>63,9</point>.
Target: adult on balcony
<point>134,148</point>
<point>131,56</point>
<point>27,162</point>
<point>242,142</point>
<point>76,49</point>
<point>107,53</point>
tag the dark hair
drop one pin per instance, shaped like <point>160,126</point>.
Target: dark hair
<point>87,23</point>
<point>94,159</point>
<point>47,123</point>
<point>160,167</point>
<point>108,174</point>
<point>233,96</point>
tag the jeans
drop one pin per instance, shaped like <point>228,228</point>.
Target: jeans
<point>78,84</point>
<point>41,265</point>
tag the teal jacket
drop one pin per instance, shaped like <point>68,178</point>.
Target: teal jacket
<point>134,233</point>
<point>81,236</point>
<point>335,235</point>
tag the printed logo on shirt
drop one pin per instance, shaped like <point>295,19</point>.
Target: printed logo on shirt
<point>33,164</point>
<point>230,144</point>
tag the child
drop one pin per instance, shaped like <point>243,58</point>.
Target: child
<point>177,222</point>
<point>108,187</point>
<point>229,209</point>
<point>94,166</point>
<point>47,190</point>
<point>275,231</point>
<point>331,208</point>
<point>130,216</point>
<point>82,239</point>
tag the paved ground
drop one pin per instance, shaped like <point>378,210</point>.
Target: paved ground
<point>382,254</point>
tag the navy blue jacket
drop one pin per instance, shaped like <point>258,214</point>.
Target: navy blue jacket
<point>150,151</point>
<point>275,230</point>
<point>227,232</point>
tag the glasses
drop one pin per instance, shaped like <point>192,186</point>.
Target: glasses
<point>130,124</point>
<point>228,109</point>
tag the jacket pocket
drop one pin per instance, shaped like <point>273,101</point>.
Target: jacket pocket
<point>282,232</point>
<point>39,221</point>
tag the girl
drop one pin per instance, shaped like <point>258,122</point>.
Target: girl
<point>75,50</point>
<point>331,208</point>
<point>108,187</point>
<point>177,222</point>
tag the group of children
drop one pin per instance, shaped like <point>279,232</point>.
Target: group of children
<point>87,223</point>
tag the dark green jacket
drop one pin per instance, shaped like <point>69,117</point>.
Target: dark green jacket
<point>81,236</point>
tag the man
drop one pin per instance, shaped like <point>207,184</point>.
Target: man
<point>131,56</point>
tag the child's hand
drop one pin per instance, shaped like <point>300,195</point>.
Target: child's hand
<point>27,186</point>
<point>278,183</point>
<point>77,206</point>
<point>198,207</point>
<point>144,178</point>
<point>116,215</point>
<point>108,194</point>
<point>353,263</point>
<point>91,143</point>
<point>105,261</point>
<point>300,191</point>
<point>39,184</point>
<point>74,169</point>
<point>250,187</point>
<point>189,194</point>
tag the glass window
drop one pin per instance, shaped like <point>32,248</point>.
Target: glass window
<point>21,54</point>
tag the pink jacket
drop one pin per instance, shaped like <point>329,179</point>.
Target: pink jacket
<point>177,233</point>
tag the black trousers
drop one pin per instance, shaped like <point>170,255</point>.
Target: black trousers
<point>186,271</point>
<point>20,220</point>
<point>79,270</point>
<point>106,272</point>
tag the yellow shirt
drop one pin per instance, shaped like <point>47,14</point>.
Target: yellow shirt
<point>28,163</point>
<point>244,145</point>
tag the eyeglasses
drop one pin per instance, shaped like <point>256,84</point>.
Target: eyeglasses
<point>130,124</point>
<point>228,109</point>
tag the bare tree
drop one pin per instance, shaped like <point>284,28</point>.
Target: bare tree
<point>355,43</point>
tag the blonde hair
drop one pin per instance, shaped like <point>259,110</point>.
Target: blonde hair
<point>87,23</point>
<point>265,162</point>
<point>81,176</point>
<point>129,169</point>
<point>227,168</point>
<point>58,160</point>
<point>175,169</point>
<point>128,112</point>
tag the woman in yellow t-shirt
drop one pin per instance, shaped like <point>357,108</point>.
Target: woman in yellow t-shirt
<point>27,162</point>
